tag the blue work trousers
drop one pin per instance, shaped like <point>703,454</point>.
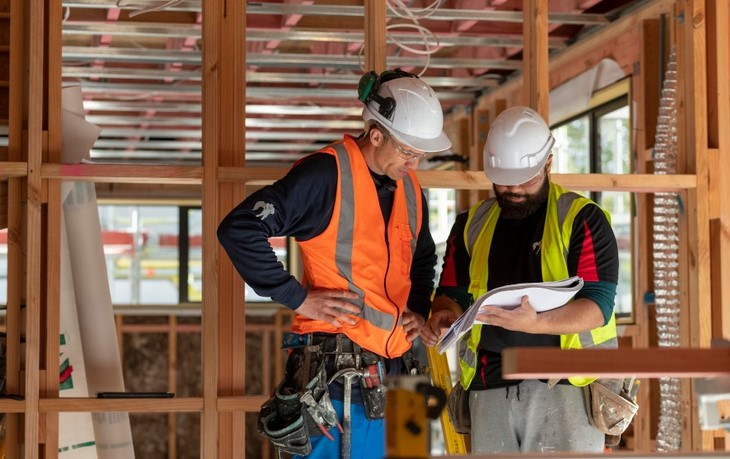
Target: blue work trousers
<point>367,438</point>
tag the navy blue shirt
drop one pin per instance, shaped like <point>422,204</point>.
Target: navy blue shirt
<point>300,205</point>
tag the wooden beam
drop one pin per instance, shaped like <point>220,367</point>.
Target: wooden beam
<point>643,183</point>
<point>224,319</point>
<point>49,363</point>
<point>172,369</point>
<point>35,146</point>
<point>120,173</point>
<point>375,36</point>
<point>645,98</point>
<point>720,17</point>
<point>535,56</point>
<point>578,51</point>
<point>692,74</point>
<point>476,180</point>
<point>544,363</point>
<point>18,71</point>
<point>13,169</point>
<point>213,12</point>
<point>133,405</point>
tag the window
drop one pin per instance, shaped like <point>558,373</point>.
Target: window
<point>150,248</point>
<point>141,251</point>
<point>442,213</point>
<point>3,266</point>
<point>598,141</point>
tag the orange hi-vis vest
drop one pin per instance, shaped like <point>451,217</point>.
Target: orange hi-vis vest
<point>357,252</point>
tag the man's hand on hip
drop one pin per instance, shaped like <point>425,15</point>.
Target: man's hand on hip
<point>330,306</point>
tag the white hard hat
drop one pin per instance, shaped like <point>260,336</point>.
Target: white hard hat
<point>518,146</point>
<point>409,109</point>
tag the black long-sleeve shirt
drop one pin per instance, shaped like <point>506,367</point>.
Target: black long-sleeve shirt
<point>300,205</point>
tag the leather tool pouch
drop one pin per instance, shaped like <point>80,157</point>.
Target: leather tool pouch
<point>457,405</point>
<point>299,406</point>
<point>371,386</point>
<point>610,409</point>
<point>281,420</point>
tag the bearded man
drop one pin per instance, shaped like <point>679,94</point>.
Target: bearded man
<point>531,231</point>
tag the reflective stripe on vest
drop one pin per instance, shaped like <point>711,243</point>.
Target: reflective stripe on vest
<point>337,273</point>
<point>563,206</point>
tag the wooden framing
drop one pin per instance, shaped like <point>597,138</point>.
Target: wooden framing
<point>699,29</point>
<point>535,60</point>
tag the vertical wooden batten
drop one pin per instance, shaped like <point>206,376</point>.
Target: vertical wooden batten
<point>697,319</point>
<point>375,35</point>
<point>49,363</point>
<point>719,17</point>
<point>35,138</point>
<point>16,274</point>
<point>224,67</point>
<point>645,97</point>
<point>535,55</point>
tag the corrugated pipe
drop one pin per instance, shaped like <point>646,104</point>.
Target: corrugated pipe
<point>667,207</point>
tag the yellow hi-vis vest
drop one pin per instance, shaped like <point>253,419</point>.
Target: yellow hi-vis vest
<point>563,206</point>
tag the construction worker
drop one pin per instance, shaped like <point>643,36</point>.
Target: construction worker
<point>360,219</point>
<point>531,231</point>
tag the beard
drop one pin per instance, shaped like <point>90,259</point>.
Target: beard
<point>517,210</point>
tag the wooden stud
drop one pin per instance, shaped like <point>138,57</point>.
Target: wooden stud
<point>52,304</point>
<point>577,52</point>
<point>535,56</point>
<point>16,271</point>
<point>224,83</point>
<point>692,68</point>
<point>33,242</point>
<point>720,17</point>
<point>375,35</point>
<point>480,129</point>
<point>213,12</point>
<point>172,383</point>
<point>645,97</point>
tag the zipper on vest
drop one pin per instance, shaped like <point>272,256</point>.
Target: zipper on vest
<point>387,295</point>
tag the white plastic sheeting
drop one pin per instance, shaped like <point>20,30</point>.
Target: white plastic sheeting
<point>88,302</point>
<point>666,260</point>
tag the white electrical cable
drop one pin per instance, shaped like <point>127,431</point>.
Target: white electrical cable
<point>396,6</point>
<point>144,7</point>
<point>400,9</point>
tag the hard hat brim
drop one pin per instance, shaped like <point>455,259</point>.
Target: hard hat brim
<point>513,177</point>
<point>433,145</point>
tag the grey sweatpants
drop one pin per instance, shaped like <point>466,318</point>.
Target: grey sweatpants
<point>530,417</point>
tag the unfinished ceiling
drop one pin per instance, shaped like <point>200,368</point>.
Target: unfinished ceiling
<point>139,65</point>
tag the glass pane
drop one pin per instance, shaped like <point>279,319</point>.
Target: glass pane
<point>4,267</point>
<point>618,204</point>
<point>195,256</point>
<point>613,132</point>
<point>571,154</point>
<point>442,213</point>
<point>280,248</point>
<point>140,245</point>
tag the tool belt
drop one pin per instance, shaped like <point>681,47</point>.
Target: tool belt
<point>301,405</point>
<point>610,408</point>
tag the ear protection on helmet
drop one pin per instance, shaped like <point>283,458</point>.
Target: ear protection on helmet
<point>367,89</point>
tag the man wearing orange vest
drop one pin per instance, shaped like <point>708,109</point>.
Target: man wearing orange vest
<point>533,230</point>
<point>360,219</point>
